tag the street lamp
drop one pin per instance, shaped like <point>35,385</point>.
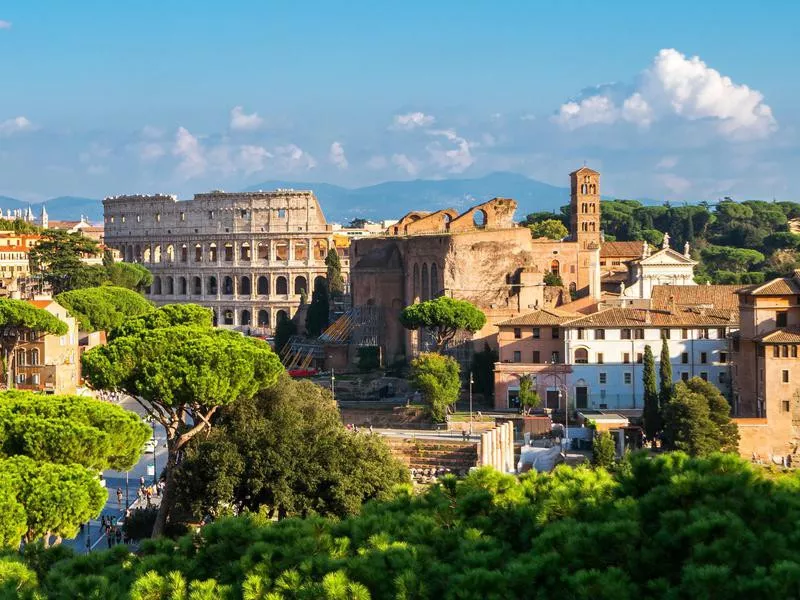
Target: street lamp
<point>333,380</point>
<point>471,381</point>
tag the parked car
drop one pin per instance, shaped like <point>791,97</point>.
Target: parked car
<point>150,446</point>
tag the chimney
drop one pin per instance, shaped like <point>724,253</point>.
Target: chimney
<point>673,307</point>
<point>647,319</point>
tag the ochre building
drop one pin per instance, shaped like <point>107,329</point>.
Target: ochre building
<point>248,256</point>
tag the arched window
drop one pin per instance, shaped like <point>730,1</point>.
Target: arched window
<point>157,254</point>
<point>184,253</point>
<point>263,286</point>
<point>263,318</point>
<point>244,252</point>
<point>137,253</point>
<point>227,317</point>
<point>244,319</point>
<point>415,283</point>
<point>282,250</point>
<point>170,253</point>
<point>198,286</point>
<point>169,288</point>
<point>280,316</point>
<point>214,317</point>
<point>156,286</point>
<point>228,252</point>
<point>244,286</point>
<point>227,286</point>
<point>320,280</point>
<point>435,287</point>
<point>35,356</point>
<point>584,188</point>
<point>198,253</point>
<point>212,252</point>
<point>592,189</point>
<point>281,286</point>
<point>554,267</point>
<point>300,250</point>
<point>147,255</point>
<point>581,356</point>
<point>300,285</point>
<point>479,218</point>
<point>182,286</point>
<point>426,283</point>
<point>212,286</point>
<point>263,251</point>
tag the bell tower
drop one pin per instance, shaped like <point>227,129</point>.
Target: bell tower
<point>585,207</point>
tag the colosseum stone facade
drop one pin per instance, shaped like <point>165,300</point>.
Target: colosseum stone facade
<point>248,256</point>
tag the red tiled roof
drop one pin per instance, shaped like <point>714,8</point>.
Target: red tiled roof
<point>716,296</point>
<point>545,316</point>
<point>777,287</point>
<point>41,303</point>
<point>786,335</point>
<point>621,249</point>
<point>639,317</point>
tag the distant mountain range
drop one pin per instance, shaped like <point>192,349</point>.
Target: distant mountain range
<point>388,200</point>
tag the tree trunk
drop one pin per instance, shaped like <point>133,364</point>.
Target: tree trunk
<point>163,509</point>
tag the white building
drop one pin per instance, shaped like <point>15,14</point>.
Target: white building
<point>665,267</point>
<point>605,352</point>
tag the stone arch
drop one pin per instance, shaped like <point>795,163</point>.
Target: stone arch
<point>170,253</point>
<point>212,252</point>
<point>169,286</point>
<point>184,253</point>
<point>137,251</point>
<point>157,253</point>
<point>426,283</point>
<point>262,288</point>
<point>244,252</point>
<point>228,316</point>
<point>480,218</point>
<point>263,318</point>
<point>198,253</point>
<point>227,286</point>
<point>415,284</point>
<point>129,254</point>
<point>281,286</point>
<point>555,267</point>
<point>435,287</point>
<point>212,286</point>
<point>320,280</point>
<point>282,250</point>
<point>244,318</point>
<point>263,251</point>
<point>280,315</point>
<point>197,287</point>
<point>182,286</point>
<point>300,251</point>
<point>300,285</point>
<point>156,288</point>
<point>244,286</point>
<point>573,287</point>
<point>228,254</point>
<point>581,356</point>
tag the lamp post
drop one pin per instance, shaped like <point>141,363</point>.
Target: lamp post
<point>333,383</point>
<point>471,381</point>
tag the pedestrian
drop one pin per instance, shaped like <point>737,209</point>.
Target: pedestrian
<point>119,497</point>
<point>119,535</point>
<point>370,429</point>
<point>108,537</point>
<point>141,481</point>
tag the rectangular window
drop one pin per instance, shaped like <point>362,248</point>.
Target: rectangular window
<point>537,333</point>
<point>702,334</point>
<point>536,357</point>
<point>603,378</point>
<point>626,357</point>
<point>721,333</point>
<point>517,356</point>
<point>580,333</point>
<point>785,406</point>
<point>785,376</point>
<point>665,333</point>
<point>639,357</point>
<point>703,375</point>
<point>281,213</point>
<point>685,358</point>
<point>684,334</point>
<point>183,216</point>
<point>703,358</point>
<point>638,334</point>
<point>723,357</point>
<point>600,359</point>
<point>627,378</point>
<point>776,352</point>
<point>35,379</point>
<point>517,333</point>
<point>794,351</point>
<point>555,333</point>
<point>781,318</point>
<point>599,334</point>
<point>20,377</point>
<point>625,334</point>
<point>684,376</point>
<point>555,357</point>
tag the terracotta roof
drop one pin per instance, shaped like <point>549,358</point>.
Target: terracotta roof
<point>621,249</point>
<point>716,296</point>
<point>787,335</point>
<point>776,287</point>
<point>544,316</point>
<point>638,317</point>
<point>582,169</point>
<point>41,303</point>
<point>14,248</point>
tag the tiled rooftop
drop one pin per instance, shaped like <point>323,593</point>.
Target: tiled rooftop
<point>717,296</point>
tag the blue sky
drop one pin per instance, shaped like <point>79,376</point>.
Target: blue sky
<point>673,100</point>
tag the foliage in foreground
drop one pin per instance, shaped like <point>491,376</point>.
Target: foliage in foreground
<point>437,377</point>
<point>104,307</point>
<point>665,527</point>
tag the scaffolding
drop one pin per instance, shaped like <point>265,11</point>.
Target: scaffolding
<point>359,326</point>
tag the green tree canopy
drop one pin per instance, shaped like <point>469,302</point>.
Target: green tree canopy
<point>443,317</point>
<point>286,451</point>
<point>57,257</point>
<point>529,398</point>
<point>437,377</point>
<point>553,229</point>
<point>168,315</point>
<point>604,450</point>
<point>18,317</point>
<point>104,307</point>
<point>179,372</point>
<point>132,276</point>
<point>334,273</point>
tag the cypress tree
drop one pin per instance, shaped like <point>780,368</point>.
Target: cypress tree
<point>667,387</point>
<point>334,274</point>
<point>651,414</point>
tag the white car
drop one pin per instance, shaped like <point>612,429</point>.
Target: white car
<point>150,446</point>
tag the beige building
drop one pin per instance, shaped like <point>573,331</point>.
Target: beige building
<point>248,256</point>
<point>14,249</point>
<point>49,363</point>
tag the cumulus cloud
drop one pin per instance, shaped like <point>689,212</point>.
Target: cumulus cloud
<point>5,24</point>
<point>675,85</point>
<point>405,163</point>
<point>252,159</point>
<point>15,125</point>
<point>187,149</point>
<point>294,158</point>
<point>337,156</point>
<point>455,158</point>
<point>240,121</point>
<point>412,120</point>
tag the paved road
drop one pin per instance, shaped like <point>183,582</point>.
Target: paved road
<point>122,480</point>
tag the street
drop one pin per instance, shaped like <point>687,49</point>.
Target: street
<point>127,482</point>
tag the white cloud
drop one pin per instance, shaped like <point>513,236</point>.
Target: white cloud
<point>454,159</point>
<point>151,151</point>
<point>412,120</point>
<point>293,158</point>
<point>675,86</point>
<point>337,156</point>
<point>15,125</point>
<point>252,159</point>
<point>150,132</point>
<point>377,162</point>
<point>187,148</point>
<point>5,24</point>
<point>240,121</point>
<point>403,162</point>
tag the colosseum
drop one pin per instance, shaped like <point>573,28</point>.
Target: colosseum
<point>248,256</point>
